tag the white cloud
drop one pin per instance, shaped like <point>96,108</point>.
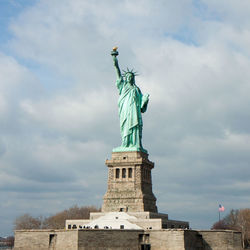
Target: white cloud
<point>74,113</point>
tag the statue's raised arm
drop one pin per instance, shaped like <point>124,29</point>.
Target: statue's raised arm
<point>131,104</point>
<point>114,54</point>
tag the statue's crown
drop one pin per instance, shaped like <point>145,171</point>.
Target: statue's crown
<point>128,71</point>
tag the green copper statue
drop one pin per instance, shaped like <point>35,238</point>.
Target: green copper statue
<point>131,104</point>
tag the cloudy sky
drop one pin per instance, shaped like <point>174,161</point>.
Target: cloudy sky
<point>58,102</point>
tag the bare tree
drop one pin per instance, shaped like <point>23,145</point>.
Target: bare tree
<point>244,226</point>
<point>57,221</point>
<point>220,225</point>
<point>26,221</point>
<point>231,220</point>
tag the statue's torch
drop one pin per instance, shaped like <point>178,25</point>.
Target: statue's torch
<point>114,52</point>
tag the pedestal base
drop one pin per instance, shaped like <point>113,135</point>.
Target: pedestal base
<point>129,183</point>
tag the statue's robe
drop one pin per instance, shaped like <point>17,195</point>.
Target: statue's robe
<point>131,104</point>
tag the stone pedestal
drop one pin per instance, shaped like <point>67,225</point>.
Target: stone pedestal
<point>129,183</point>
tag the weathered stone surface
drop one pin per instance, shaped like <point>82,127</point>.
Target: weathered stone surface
<point>108,239</point>
<point>45,239</point>
<point>129,183</point>
<point>100,239</point>
<point>221,239</point>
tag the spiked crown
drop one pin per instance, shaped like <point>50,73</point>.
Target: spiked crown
<point>134,73</point>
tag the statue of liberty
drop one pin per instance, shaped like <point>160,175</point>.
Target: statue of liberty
<point>131,104</point>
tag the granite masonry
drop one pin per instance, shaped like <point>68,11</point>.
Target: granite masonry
<point>120,239</point>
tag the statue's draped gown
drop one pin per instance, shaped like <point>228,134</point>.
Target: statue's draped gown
<point>131,103</point>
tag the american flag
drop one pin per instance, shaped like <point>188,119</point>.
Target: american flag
<point>221,208</point>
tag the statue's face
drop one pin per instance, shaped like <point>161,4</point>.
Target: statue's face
<point>130,78</point>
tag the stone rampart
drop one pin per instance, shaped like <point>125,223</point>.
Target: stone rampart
<point>221,239</point>
<point>100,239</point>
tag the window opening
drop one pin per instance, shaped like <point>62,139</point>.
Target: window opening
<point>124,173</point>
<point>117,173</point>
<point>130,173</point>
<point>145,247</point>
<point>52,241</point>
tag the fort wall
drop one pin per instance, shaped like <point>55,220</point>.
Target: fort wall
<point>100,239</point>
